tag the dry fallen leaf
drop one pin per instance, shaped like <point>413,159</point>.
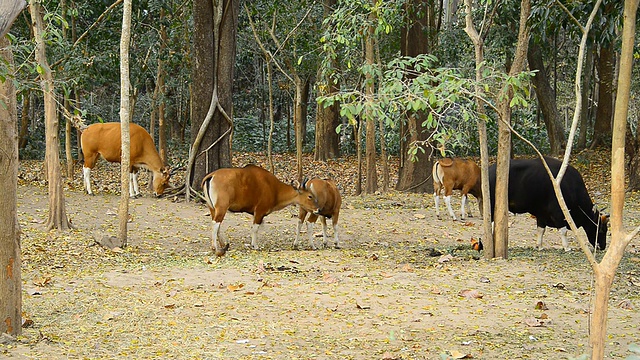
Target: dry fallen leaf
<point>471,294</point>
<point>455,354</point>
<point>235,287</point>
<point>533,322</point>
<point>445,258</point>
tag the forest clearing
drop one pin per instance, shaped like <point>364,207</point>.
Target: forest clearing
<point>404,285</point>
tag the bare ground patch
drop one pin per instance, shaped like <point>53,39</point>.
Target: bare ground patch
<point>386,294</point>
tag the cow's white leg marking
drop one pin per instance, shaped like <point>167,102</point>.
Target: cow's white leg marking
<point>447,199</point>
<point>335,235</point>
<point>540,235</point>
<point>325,237</point>
<point>463,211</point>
<point>87,179</point>
<point>310,235</point>
<point>254,236</point>
<point>133,185</point>
<point>299,228</point>
<point>565,240</point>
<point>214,236</point>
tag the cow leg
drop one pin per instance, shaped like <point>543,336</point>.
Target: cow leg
<point>540,235</point>
<point>301,216</point>
<point>463,210</point>
<point>436,198</point>
<point>325,238</point>
<point>334,221</point>
<point>310,222</point>
<point>257,222</point>
<point>217,241</point>
<point>133,185</point>
<point>86,172</point>
<point>565,240</point>
<point>447,200</point>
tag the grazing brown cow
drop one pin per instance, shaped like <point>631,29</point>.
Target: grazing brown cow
<point>105,139</point>
<point>251,190</point>
<point>328,200</point>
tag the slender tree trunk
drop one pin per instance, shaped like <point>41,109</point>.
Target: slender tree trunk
<point>162,126</point>
<point>23,136</point>
<point>57,218</point>
<point>606,270</point>
<point>298,119</point>
<point>125,84</point>
<point>604,114</point>
<point>372,174</point>
<point>10,263</point>
<point>547,100</point>
<point>478,44</point>
<point>586,104</point>
<point>501,215</point>
<point>357,129</point>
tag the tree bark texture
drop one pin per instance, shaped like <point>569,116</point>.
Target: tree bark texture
<point>606,270</point>
<point>478,44</point>
<point>370,139</point>
<point>125,136</point>
<point>212,74</point>
<point>57,218</point>
<point>546,100</point>
<point>604,114</point>
<point>416,38</point>
<point>10,263</point>
<point>587,87</point>
<point>501,215</point>
<point>327,142</point>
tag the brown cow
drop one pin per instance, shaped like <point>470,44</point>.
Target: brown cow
<point>105,139</point>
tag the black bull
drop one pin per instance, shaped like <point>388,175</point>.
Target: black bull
<point>531,191</point>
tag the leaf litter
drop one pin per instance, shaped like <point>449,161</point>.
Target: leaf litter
<point>380,296</point>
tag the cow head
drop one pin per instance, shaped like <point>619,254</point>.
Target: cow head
<point>161,181</point>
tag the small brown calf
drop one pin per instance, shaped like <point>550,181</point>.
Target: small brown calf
<point>328,201</point>
<point>251,190</point>
<point>456,174</point>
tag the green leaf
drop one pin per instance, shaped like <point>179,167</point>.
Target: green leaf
<point>39,69</point>
<point>300,59</point>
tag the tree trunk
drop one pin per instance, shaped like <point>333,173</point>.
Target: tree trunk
<point>162,126</point>
<point>10,263</point>
<point>214,53</point>
<point>327,142</point>
<point>372,174</point>
<point>478,44</point>
<point>604,114</point>
<point>57,215</point>
<point>417,35</point>
<point>501,215</point>
<point>23,136</point>
<point>586,104</point>
<point>546,99</point>
<point>605,271</point>
<point>299,119</point>
<point>125,137</point>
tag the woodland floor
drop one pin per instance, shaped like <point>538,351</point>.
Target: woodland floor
<point>404,285</point>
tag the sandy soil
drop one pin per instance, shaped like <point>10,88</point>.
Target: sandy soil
<point>404,285</point>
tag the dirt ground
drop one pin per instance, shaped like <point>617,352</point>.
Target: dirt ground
<point>404,285</point>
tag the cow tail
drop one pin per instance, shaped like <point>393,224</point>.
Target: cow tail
<point>206,191</point>
<point>435,174</point>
